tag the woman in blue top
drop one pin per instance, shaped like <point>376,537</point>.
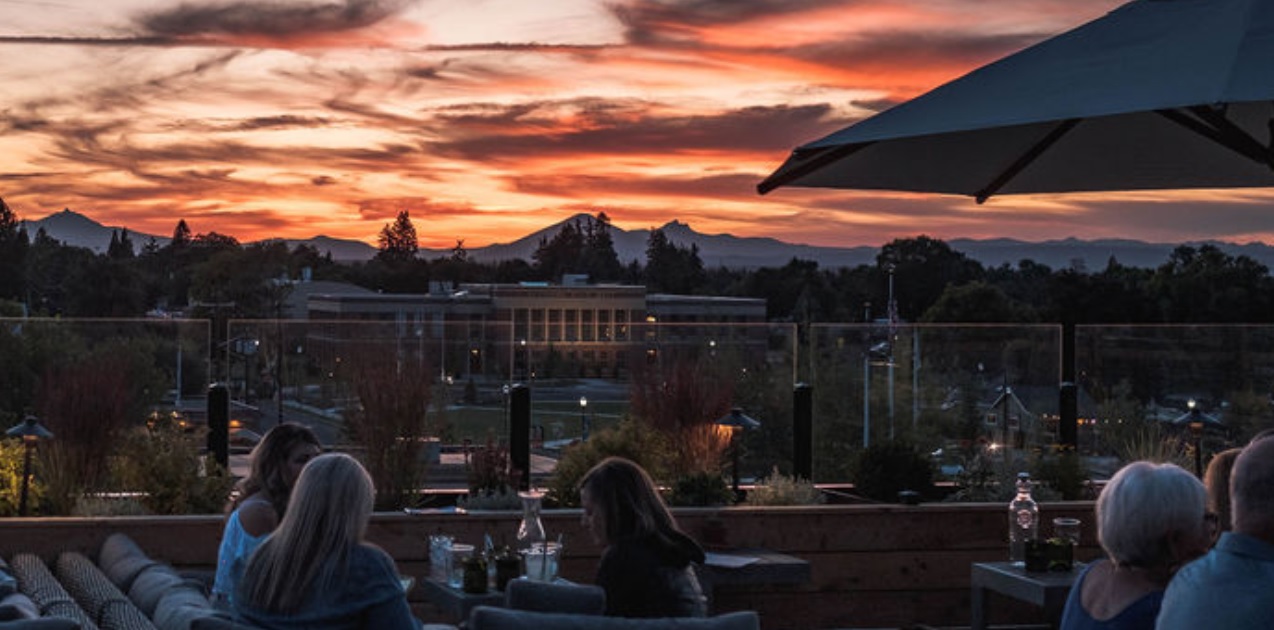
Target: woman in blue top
<point>260,500</point>
<point>315,571</point>
<point>1151,519</point>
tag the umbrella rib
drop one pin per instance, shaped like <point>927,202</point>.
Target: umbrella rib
<point>820,159</point>
<point>1026,158</point>
<point>1213,125</point>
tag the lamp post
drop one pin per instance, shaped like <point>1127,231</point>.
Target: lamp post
<point>31,431</point>
<point>736,421</point>
<point>583,418</point>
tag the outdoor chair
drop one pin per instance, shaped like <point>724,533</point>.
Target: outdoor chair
<point>492,618</point>
<point>555,597</point>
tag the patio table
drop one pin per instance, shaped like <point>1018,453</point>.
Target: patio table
<point>1045,589</point>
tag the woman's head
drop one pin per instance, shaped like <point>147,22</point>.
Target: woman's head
<point>1152,516</point>
<point>277,462</point>
<point>621,501</point>
<point>326,518</point>
<point>1217,481</point>
<point>333,499</point>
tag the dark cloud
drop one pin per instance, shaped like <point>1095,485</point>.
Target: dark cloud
<point>653,21</point>
<point>284,121</point>
<point>493,132</point>
<point>276,19</point>
<point>386,208</point>
<point>323,180</point>
<point>716,186</point>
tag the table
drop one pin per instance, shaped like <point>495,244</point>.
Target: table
<point>1045,589</point>
<point>455,602</point>
<point>751,567</point>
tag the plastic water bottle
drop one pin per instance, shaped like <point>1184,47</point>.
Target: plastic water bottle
<point>1024,520</point>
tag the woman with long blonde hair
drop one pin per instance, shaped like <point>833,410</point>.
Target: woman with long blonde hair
<point>315,570</point>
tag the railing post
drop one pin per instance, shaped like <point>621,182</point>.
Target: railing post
<point>219,423</point>
<point>1068,395</point>
<point>803,432</point>
<point>520,433</point>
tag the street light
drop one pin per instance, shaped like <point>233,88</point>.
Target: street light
<point>583,418</point>
<point>736,421</point>
<point>31,431</point>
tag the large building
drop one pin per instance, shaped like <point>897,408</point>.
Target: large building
<point>532,330</point>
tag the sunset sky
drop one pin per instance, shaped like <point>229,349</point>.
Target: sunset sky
<point>489,119</point>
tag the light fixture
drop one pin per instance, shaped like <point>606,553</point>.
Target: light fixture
<point>736,421</point>
<point>31,431</point>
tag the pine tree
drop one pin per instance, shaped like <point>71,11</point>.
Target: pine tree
<point>13,254</point>
<point>181,235</point>
<point>398,242</point>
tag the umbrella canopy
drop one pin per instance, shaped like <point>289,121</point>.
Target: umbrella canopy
<point>1157,94</point>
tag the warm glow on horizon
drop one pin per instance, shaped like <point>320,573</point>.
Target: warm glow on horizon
<point>490,119</point>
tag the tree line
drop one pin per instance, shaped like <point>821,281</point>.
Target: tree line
<point>206,275</point>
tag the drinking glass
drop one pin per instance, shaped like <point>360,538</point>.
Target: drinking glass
<point>459,552</point>
<point>1067,528</point>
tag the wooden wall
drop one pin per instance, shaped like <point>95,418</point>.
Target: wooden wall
<point>872,566</point>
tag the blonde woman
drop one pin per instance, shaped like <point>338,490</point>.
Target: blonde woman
<point>315,570</point>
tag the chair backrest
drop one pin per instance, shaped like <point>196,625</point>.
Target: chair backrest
<point>491,618</point>
<point>557,597</point>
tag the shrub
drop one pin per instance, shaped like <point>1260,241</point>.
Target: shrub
<point>12,453</point>
<point>162,462</point>
<point>780,489</point>
<point>887,468</point>
<point>391,419</point>
<point>700,489</point>
<point>629,439</point>
<point>1061,469</point>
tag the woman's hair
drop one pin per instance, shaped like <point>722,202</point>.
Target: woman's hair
<point>628,501</point>
<point>269,459</point>
<point>1142,506</point>
<point>1217,481</point>
<point>325,520</point>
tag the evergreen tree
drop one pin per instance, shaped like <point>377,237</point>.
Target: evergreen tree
<point>599,259</point>
<point>121,247</point>
<point>181,235</point>
<point>398,242</point>
<point>13,254</point>
<point>671,268</point>
<point>560,255</point>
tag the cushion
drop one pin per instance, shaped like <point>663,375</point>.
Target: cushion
<point>149,586</point>
<point>43,589</point>
<point>562,597</point>
<point>122,560</point>
<point>490,618</point>
<point>105,604</point>
<point>17,606</point>
<point>46,623</point>
<point>8,583</point>
<point>180,606</point>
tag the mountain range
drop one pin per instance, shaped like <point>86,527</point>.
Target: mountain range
<point>725,250</point>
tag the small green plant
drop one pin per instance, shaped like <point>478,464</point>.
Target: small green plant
<point>490,470</point>
<point>12,453</point>
<point>780,489</point>
<point>505,498</point>
<point>887,468</point>
<point>1061,469</point>
<point>700,489</point>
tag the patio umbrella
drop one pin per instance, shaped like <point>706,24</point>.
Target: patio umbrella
<point>1157,94</point>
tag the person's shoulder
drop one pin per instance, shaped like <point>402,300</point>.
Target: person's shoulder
<point>257,517</point>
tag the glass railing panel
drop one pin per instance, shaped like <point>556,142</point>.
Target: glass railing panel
<point>1171,392</point>
<point>954,391</point>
